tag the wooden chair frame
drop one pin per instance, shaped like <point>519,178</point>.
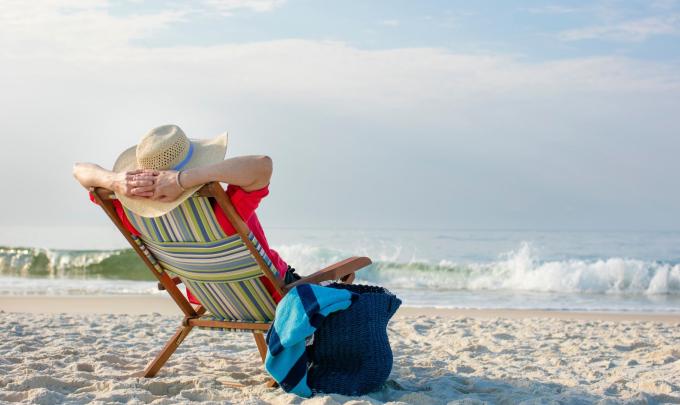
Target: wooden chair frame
<point>343,271</point>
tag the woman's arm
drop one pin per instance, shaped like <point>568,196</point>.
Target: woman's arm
<point>249,172</point>
<point>92,175</point>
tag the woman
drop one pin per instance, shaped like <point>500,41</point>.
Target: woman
<point>166,168</point>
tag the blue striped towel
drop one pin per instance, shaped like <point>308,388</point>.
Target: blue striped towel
<point>298,315</point>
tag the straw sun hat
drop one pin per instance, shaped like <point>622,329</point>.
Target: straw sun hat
<point>167,148</point>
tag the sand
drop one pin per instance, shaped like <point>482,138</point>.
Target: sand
<point>85,350</point>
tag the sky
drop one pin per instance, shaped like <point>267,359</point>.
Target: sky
<point>381,114</point>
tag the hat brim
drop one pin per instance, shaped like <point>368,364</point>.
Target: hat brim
<point>206,152</point>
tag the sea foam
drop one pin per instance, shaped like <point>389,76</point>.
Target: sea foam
<point>518,270</point>
<point>522,270</point>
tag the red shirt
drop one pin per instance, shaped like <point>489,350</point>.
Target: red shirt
<point>245,203</point>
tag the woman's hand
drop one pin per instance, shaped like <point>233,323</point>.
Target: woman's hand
<point>157,185</point>
<point>167,187</point>
<point>136,183</point>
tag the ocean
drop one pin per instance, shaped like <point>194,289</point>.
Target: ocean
<point>552,270</point>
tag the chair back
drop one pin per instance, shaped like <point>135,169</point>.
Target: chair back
<point>220,271</point>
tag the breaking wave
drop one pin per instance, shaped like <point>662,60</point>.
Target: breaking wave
<point>519,270</point>
<point>122,264</point>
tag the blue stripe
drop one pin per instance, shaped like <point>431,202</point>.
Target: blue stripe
<point>234,300</point>
<point>182,224</point>
<point>198,262</point>
<point>168,230</point>
<point>192,244</point>
<point>253,301</point>
<point>146,231</point>
<point>296,373</point>
<point>212,242</point>
<point>155,228</point>
<point>186,159</point>
<point>316,320</point>
<point>198,220</point>
<point>233,253</point>
<point>201,255</point>
<point>271,306</point>
<point>274,342</point>
<point>308,300</point>
<point>209,268</point>
<point>131,218</point>
<point>226,257</point>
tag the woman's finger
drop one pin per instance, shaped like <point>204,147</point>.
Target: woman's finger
<point>132,177</point>
<point>145,176</point>
<point>137,190</point>
<point>141,183</point>
<point>139,196</point>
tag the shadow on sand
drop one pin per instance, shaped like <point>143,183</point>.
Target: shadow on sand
<point>450,388</point>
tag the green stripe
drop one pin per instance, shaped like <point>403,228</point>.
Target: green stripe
<point>231,292</point>
<point>248,273</point>
<point>206,207</point>
<point>201,246</point>
<point>161,226</point>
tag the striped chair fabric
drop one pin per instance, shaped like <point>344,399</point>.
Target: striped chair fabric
<point>219,270</point>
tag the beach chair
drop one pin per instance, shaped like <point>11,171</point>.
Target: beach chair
<point>187,245</point>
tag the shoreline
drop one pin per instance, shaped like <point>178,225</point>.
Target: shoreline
<point>144,304</point>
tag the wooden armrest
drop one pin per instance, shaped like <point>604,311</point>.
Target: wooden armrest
<point>103,193</point>
<point>175,280</point>
<point>341,270</point>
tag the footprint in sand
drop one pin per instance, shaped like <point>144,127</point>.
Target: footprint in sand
<point>464,369</point>
<point>630,347</point>
<point>85,367</point>
<point>503,336</point>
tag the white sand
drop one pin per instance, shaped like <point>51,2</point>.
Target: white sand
<point>440,357</point>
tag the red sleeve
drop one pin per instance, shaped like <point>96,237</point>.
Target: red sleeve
<point>246,202</point>
<point>121,214</point>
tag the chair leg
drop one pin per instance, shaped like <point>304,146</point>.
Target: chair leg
<point>261,345</point>
<point>169,348</point>
<point>262,348</point>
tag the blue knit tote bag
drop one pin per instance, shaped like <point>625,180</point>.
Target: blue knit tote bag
<point>351,354</point>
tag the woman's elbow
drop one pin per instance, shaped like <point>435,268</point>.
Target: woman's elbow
<point>267,167</point>
<point>77,168</point>
<point>82,172</point>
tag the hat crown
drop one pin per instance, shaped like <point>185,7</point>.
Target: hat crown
<point>162,148</point>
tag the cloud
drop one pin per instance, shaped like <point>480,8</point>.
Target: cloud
<point>555,9</point>
<point>89,25</point>
<point>227,7</point>
<point>472,127</point>
<point>80,35</point>
<point>627,31</point>
<point>664,4</point>
<point>389,23</point>
<point>95,49</point>
<point>30,28</point>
